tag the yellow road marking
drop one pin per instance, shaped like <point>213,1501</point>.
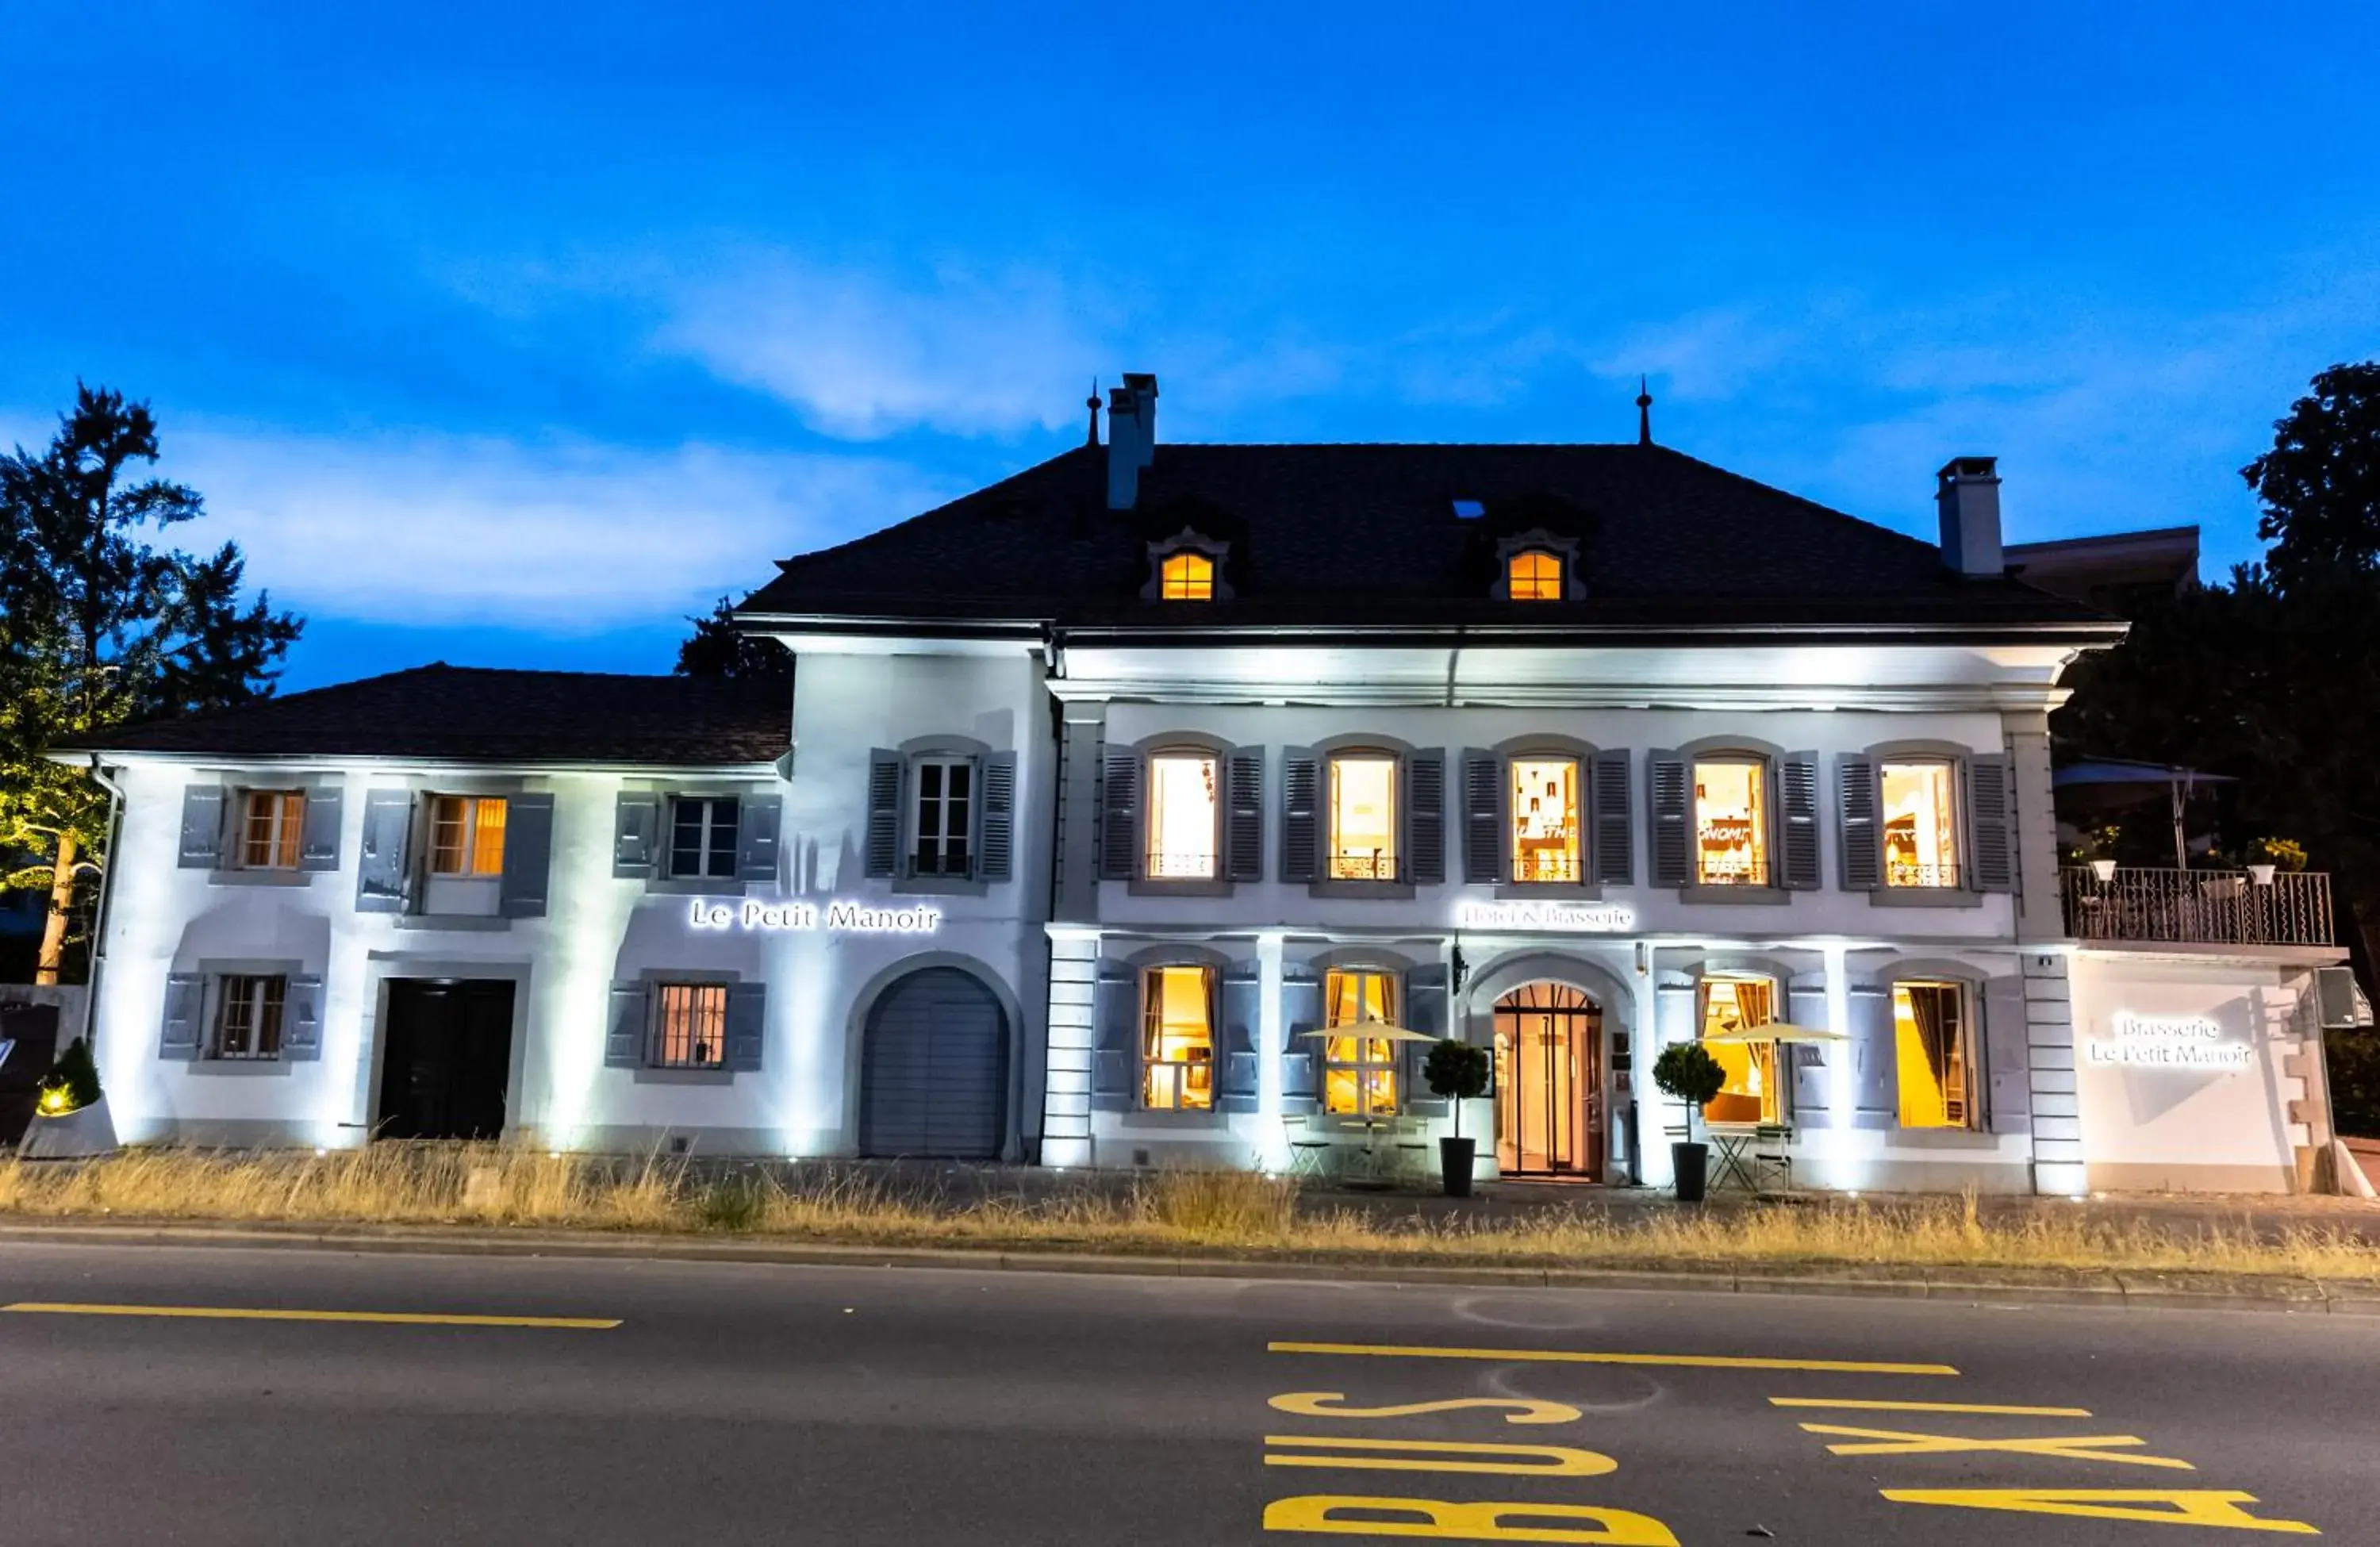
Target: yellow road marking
<point>2177,1507</point>
<point>1879,1406</point>
<point>1564,1355</point>
<point>2071,1447</point>
<point>229,1313</point>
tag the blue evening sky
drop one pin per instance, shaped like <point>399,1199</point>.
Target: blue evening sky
<point>510,334</point>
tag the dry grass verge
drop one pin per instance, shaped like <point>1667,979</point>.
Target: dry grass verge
<point>1183,1211</point>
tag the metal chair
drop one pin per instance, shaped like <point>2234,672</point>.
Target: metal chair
<point>1411,1137</point>
<point>1772,1157</point>
<point>1309,1148</point>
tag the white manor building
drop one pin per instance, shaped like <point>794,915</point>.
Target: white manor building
<point>1102,789</point>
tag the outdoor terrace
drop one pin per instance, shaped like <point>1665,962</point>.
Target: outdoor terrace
<point>2197,907</point>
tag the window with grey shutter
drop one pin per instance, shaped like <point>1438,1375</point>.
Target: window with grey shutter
<point>528,857</point>
<point>1425,1012</point>
<point>1797,786</point>
<point>318,847</point>
<point>1669,799</point>
<point>1243,820</point>
<point>1300,1056</point>
<point>1808,1077</point>
<point>1301,842</point>
<point>1426,818</point>
<point>636,835</point>
<point>884,779</point>
<point>756,840</point>
<point>1992,820</point>
<point>202,827</point>
<point>624,1039</point>
<point>186,994</point>
<point>380,868</point>
<point>1115,1022</point>
<point>2008,1057</point>
<point>1876,1059</point>
<point>1483,817</point>
<point>747,1005</point>
<point>1615,820</point>
<point>1120,814</point>
<point>1243,1020</point>
<point>1856,801</point>
<point>301,1016</point>
<point>995,849</point>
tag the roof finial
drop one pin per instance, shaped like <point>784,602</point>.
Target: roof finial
<point>1092,402</point>
<point>1643,413</point>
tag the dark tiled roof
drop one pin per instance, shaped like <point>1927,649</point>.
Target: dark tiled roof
<point>472,715</point>
<point>1365,535</point>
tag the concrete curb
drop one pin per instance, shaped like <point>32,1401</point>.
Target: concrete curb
<point>2127,1290</point>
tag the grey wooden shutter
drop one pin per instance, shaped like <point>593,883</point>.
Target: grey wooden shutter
<point>1300,1056</point>
<point>1426,818</point>
<point>528,857</point>
<point>1615,820</point>
<point>1670,795</point>
<point>1797,785</point>
<point>995,850</point>
<point>380,866</point>
<point>1301,840</point>
<point>1483,818</point>
<point>1425,1011</point>
<point>624,1037</point>
<point>1243,1007</point>
<point>301,1016</point>
<point>1119,815</point>
<point>885,776</point>
<point>186,1001</point>
<point>1243,816</point>
<point>1856,799</point>
<point>203,826</point>
<point>2006,1045</point>
<point>758,818</point>
<point>1991,790</point>
<point>747,1005</point>
<point>318,842</point>
<point>636,835</point>
<point>1809,1082</point>
<point>1115,1030</point>
<point>1875,1053</point>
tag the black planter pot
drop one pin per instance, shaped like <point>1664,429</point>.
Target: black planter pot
<point>1454,1164</point>
<point>1692,1163</point>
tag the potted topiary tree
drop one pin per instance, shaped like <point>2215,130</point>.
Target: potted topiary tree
<point>1687,1072</point>
<point>1458,1072</point>
<point>71,1115</point>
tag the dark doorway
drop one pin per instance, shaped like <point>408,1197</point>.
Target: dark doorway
<point>446,1058</point>
<point>34,1028</point>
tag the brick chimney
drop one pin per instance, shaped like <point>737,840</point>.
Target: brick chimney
<point>1132,436</point>
<point>1968,497</point>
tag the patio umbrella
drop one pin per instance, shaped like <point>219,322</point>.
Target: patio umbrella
<point>2103,784</point>
<point>1378,1030</point>
<point>1778,1031</point>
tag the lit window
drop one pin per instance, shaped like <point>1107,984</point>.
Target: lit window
<point>1732,1006</point>
<point>248,1019</point>
<point>1188,578</point>
<point>467,836</point>
<point>1930,1031</point>
<point>944,815</point>
<point>1359,1075</point>
<point>1181,811</point>
<point>1533,575</point>
<point>702,836</point>
<point>1364,817</point>
<point>1545,819</point>
<point>270,828</point>
<point>1920,831</point>
<point>1178,1040</point>
<point>1730,824</point>
<point>690,1026</point>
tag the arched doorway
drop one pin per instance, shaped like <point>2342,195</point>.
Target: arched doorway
<point>1549,1104</point>
<point>934,1068</point>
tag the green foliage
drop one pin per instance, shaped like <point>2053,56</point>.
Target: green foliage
<point>1456,1070</point>
<point>2352,1059</point>
<point>1687,1072</point>
<point>717,648</point>
<point>2320,484</point>
<point>2280,852</point>
<point>75,1072</point>
<point>731,1203</point>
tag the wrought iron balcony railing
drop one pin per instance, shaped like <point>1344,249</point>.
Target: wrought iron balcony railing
<point>2198,907</point>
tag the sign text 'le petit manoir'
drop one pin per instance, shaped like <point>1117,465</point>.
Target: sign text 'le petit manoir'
<point>835,918</point>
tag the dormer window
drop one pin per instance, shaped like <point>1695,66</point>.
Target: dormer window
<point>1537,565</point>
<point>1187,566</point>
<point>1188,578</point>
<point>1533,575</point>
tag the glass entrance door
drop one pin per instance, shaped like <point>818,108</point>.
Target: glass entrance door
<point>1548,1083</point>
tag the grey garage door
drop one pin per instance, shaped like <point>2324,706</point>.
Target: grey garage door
<point>934,1070</point>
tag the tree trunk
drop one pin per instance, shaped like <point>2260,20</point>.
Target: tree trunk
<point>53,927</point>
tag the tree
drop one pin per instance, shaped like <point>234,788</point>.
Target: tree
<point>102,629</point>
<point>2320,484</point>
<point>717,648</point>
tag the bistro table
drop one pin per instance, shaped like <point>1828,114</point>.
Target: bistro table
<point>1731,1156</point>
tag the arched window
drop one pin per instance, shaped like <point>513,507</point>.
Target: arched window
<point>1731,1007</point>
<point>1188,576</point>
<point>1533,575</point>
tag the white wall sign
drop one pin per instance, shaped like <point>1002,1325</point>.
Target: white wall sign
<point>835,918</point>
<point>2169,1042</point>
<point>1567,918</point>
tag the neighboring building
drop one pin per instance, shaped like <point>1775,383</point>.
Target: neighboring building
<point>2118,572</point>
<point>1111,790</point>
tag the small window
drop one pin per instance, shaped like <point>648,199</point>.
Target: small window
<point>1178,1040</point>
<point>702,836</point>
<point>945,816</point>
<point>467,836</point>
<point>1732,822</point>
<point>1359,1074</point>
<point>1545,820</point>
<point>1533,575</point>
<point>1929,1030</point>
<point>1183,812</point>
<point>1364,817</point>
<point>248,1016</point>
<point>271,823</point>
<point>1187,577</point>
<point>1732,1006</point>
<point>690,1026</point>
<point>1921,845</point>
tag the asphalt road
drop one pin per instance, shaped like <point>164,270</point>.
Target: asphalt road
<point>735,1403</point>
